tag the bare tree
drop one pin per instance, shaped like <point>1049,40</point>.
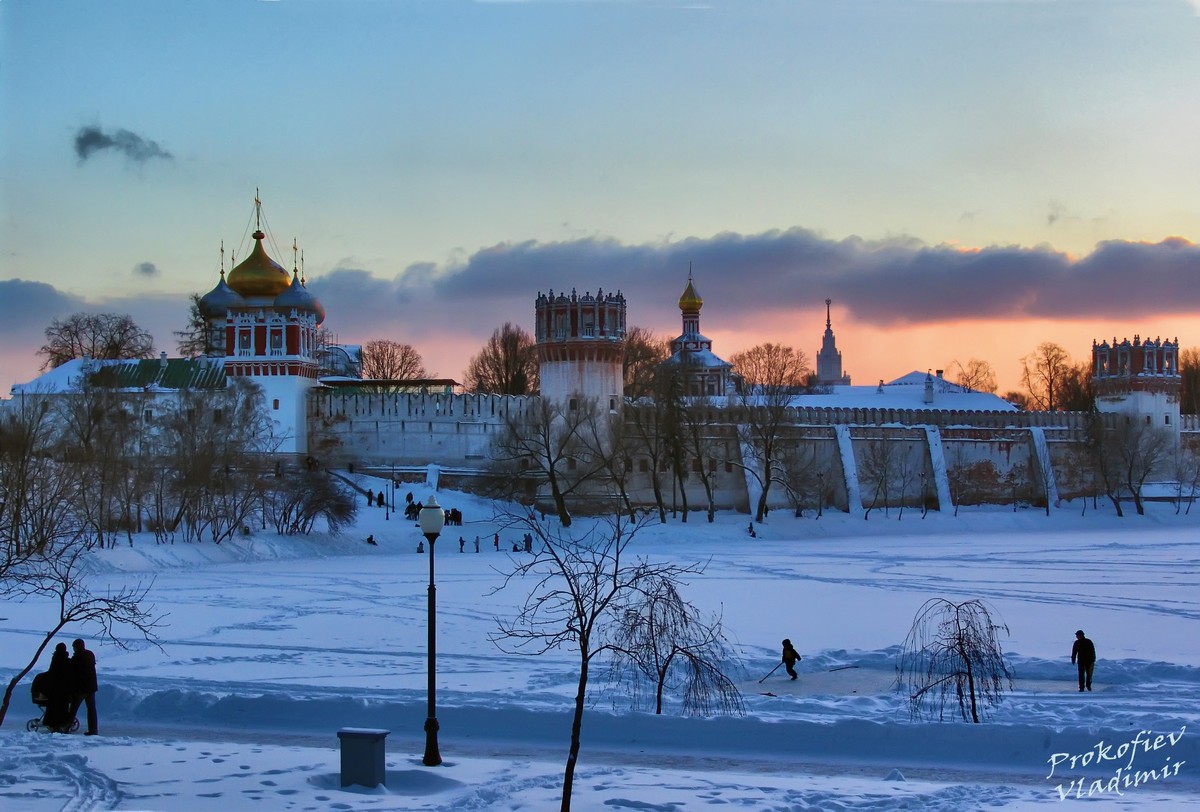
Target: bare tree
<point>644,352</point>
<point>648,442</point>
<point>580,587</point>
<point>209,454</point>
<point>706,451</point>
<point>771,375</point>
<point>193,339</point>
<point>294,502</point>
<point>56,574</point>
<point>803,476</point>
<point>506,365</point>
<point>103,336</point>
<point>37,497</point>
<point>384,360</point>
<point>1127,454</point>
<point>977,375</point>
<point>546,441</point>
<point>879,472</point>
<point>1075,392</point>
<point>952,656</point>
<point>665,641</point>
<point>1043,373</point>
<point>1187,479</point>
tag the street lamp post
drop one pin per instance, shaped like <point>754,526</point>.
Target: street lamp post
<point>432,519</point>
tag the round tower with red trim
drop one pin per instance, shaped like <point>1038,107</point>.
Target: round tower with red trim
<point>581,347</point>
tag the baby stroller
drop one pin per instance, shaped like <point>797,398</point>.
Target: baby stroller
<point>40,691</point>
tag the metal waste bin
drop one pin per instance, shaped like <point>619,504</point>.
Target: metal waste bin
<point>363,756</point>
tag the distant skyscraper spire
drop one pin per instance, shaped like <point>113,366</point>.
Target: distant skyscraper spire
<point>829,359</point>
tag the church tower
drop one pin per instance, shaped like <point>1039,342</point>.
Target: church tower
<point>703,374</point>
<point>1139,378</point>
<point>829,359</point>
<point>263,322</point>
<point>581,347</point>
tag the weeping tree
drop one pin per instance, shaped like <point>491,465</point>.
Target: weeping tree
<point>667,644</point>
<point>952,656</point>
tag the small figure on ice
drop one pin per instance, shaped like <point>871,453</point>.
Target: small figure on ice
<point>790,657</point>
<point>1083,653</point>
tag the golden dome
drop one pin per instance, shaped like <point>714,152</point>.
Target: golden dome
<point>690,301</point>
<point>258,274</point>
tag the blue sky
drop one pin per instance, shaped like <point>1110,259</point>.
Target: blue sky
<point>943,170</point>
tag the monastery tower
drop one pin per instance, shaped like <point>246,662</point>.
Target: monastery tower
<point>263,322</point>
<point>581,347</point>
<point>701,372</point>
<point>1139,378</point>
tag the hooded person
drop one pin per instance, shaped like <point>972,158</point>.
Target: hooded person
<point>790,658</point>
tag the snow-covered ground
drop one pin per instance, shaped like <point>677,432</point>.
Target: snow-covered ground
<point>271,645</point>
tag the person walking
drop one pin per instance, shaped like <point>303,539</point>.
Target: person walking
<point>790,658</point>
<point>477,544</point>
<point>83,666</point>
<point>462,544</point>
<point>1083,654</point>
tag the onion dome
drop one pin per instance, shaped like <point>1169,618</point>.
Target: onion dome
<point>690,301</point>
<point>218,301</point>
<point>295,297</point>
<point>258,274</point>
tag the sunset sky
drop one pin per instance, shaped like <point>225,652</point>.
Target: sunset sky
<point>965,179</point>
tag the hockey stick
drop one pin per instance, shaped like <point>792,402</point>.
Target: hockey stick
<point>773,670</point>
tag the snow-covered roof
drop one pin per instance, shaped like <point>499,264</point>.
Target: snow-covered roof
<point>156,373</point>
<point>906,392</point>
<point>698,358</point>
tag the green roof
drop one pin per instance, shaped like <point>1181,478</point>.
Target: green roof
<point>175,373</point>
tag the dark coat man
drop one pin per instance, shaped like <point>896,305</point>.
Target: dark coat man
<point>83,664</point>
<point>1083,653</point>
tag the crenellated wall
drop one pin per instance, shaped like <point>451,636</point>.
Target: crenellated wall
<point>976,457</point>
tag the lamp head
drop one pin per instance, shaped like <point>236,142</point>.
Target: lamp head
<point>432,517</point>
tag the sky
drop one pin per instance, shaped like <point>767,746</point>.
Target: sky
<point>963,178</point>
<point>270,645</point>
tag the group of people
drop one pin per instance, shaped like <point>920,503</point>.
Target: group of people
<point>69,683</point>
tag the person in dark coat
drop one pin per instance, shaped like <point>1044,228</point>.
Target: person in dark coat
<point>790,658</point>
<point>1083,654</point>
<point>58,686</point>
<point>83,663</point>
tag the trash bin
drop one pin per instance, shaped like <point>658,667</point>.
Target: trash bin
<point>363,756</point>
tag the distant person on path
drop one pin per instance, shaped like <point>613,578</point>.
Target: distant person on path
<point>420,546</point>
<point>1083,654</point>
<point>371,539</point>
<point>790,658</point>
<point>462,544</point>
<point>497,543</point>
<point>83,664</point>
<point>477,544</point>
